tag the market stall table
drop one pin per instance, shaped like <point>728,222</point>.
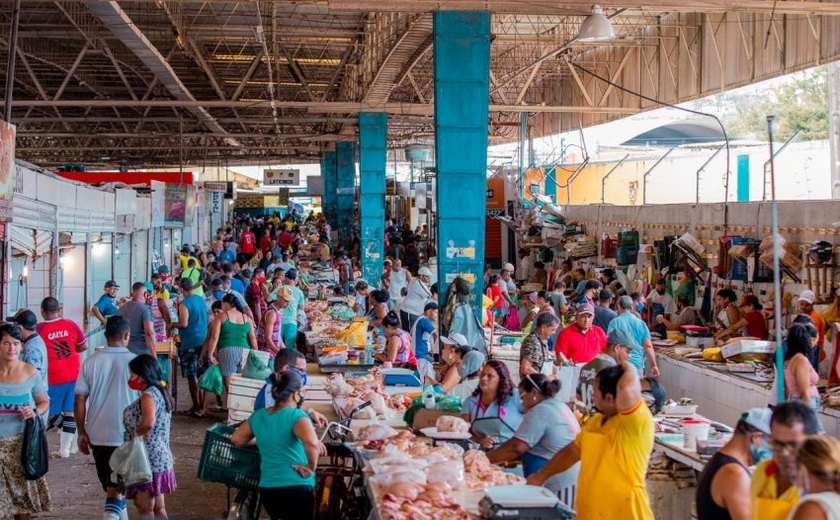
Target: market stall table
<point>721,395</point>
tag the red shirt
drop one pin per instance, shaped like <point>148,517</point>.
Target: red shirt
<point>62,337</point>
<point>579,347</point>
<point>756,325</point>
<point>248,242</point>
<point>285,239</point>
<point>265,242</point>
<point>495,294</point>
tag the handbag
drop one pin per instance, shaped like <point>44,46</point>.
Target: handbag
<point>34,455</point>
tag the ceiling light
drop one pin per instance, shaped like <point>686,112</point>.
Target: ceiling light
<point>596,27</point>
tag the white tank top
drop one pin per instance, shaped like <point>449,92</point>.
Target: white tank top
<point>829,501</point>
<point>396,282</point>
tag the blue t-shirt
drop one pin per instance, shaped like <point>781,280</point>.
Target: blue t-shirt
<point>34,352</point>
<point>603,317</point>
<point>14,396</point>
<point>195,333</point>
<point>237,285</point>
<point>422,333</point>
<point>227,256</point>
<point>107,305</point>
<point>638,330</point>
<point>280,449</point>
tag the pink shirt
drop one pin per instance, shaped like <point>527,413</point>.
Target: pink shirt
<point>790,383</point>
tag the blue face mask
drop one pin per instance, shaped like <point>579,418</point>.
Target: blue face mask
<point>218,294</point>
<point>758,454</point>
<point>301,373</point>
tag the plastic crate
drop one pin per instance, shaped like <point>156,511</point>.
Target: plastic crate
<point>225,463</point>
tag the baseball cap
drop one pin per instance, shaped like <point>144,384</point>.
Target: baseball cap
<point>455,339</point>
<point>509,267</point>
<point>285,293</point>
<point>758,418</point>
<point>111,284</point>
<point>585,308</point>
<point>164,269</point>
<point>424,271</point>
<point>25,318</point>
<point>808,296</point>
<point>471,363</point>
<point>622,337</point>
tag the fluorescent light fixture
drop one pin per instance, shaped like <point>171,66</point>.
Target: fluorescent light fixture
<point>596,27</point>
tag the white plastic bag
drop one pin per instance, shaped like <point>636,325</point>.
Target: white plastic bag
<point>131,462</point>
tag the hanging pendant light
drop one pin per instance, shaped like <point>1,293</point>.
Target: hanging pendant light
<point>596,27</point>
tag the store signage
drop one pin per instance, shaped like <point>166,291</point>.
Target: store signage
<point>283,197</point>
<point>345,191</point>
<point>461,252</point>
<point>281,177</point>
<point>216,202</point>
<point>495,212</point>
<point>230,192</point>
<point>8,170</point>
<point>216,187</point>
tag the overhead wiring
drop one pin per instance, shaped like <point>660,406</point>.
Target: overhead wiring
<point>683,109</point>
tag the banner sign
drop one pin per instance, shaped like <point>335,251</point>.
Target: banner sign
<point>281,177</point>
<point>283,197</point>
<point>175,205</point>
<point>8,170</point>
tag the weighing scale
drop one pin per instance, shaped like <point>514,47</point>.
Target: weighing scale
<point>523,502</point>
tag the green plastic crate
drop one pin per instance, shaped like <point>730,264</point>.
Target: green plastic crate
<point>225,463</point>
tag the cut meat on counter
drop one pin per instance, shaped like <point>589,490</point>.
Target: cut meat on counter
<point>450,423</point>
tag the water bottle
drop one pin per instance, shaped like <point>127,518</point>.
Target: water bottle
<point>429,398</point>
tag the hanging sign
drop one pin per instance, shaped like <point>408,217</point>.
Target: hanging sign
<point>8,170</point>
<point>281,177</point>
<point>283,197</point>
<point>216,187</point>
<point>175,205</point>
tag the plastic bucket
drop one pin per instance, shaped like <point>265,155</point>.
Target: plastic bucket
<point>694,431</point>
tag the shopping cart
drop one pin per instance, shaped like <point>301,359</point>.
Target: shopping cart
<point>237,468</point>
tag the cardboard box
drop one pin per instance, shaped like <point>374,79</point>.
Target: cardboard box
<point>740,252</point>
<point>424,418</point>
<point>748,347</point>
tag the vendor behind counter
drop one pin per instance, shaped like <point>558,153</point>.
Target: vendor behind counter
<point>494,411</point>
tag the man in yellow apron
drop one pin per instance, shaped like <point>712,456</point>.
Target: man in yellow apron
<point>773,487</point>
<point>614,448</point>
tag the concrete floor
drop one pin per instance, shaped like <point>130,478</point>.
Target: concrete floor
<point>77,494</point>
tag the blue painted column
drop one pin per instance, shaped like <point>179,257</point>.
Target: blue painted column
<point>345,152</point>
<point>743,178</point>
<point>551,183</point>
<point>328,201</point>
<point>462,92</point>
<point>373,151</point>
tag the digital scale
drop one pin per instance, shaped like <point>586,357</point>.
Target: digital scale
<point>524,502</point>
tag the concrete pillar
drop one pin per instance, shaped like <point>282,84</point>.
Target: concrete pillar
<point>462,90</point>
<point>345,152</point>
<point>373,151</point>
<point>328,172</point>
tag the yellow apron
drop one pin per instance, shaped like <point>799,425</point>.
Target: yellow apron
<point>771,508</point>
<point>602,492</point>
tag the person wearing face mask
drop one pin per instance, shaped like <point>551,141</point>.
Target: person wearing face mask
<point>773,487</point>
<point>254,295</point>
<point>819,475</point>
<point>469,370</point>
<point>222,288</point>
<point>549,425</point>
<point>659,301</point>
<point>288,359</point>
<point>192,329</point>
<point>723,489</point>
<point>150,416</point>
<point>289,450</point>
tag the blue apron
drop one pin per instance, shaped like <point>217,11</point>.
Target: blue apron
<point>532,463</point>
